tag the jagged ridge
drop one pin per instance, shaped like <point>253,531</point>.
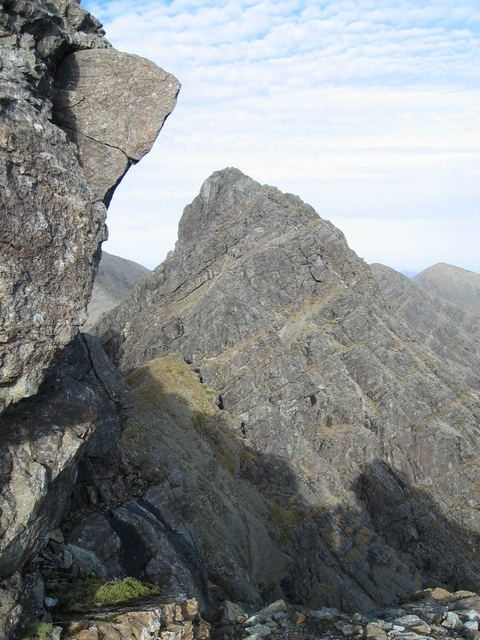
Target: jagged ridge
<point>289,327</point>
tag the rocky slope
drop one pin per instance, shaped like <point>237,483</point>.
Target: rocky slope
<point>365,426</point>
<point>452,283</point>
<point>451,330</point>
<point>432,613</point>
<point>113,282</point>
<point>304,443</point>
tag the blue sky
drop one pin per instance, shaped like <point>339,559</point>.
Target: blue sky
<point>368,110</point>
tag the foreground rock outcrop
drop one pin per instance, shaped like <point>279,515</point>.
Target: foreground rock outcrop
<point>289,328</point>
<point>60,160</point>
<point>78,411</point>
<point>430,613</point>
<point>55,62</point>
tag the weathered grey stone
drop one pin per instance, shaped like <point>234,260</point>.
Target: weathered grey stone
<point>374,631</point>
<point>345,628</point>
<point>265,614</point>
<point>452,621</point>
<point>112,105</point>
<point>290,330</point>
<point>231,612</point>
<point>471,625</point>
<point>52,221</point>
<point>259,630</point>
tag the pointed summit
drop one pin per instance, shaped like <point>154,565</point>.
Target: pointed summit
<point>288,327</point>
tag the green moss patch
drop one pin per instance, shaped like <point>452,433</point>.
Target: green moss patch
<point>96,592</point>
<point>38,631</point>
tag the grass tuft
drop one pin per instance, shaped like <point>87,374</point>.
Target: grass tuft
<point>96,592</point>
<point>38,631</point>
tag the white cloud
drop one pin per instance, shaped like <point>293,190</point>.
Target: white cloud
<point>369,110</point>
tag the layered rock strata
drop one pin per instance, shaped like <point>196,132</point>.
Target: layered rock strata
<point>377,438</point>
<point>52,211</point>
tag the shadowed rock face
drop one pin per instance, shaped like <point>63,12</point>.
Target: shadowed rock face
<point>290,329</point>
<point>53,214</point>
<point>43,439</point>
<point>452,283</point>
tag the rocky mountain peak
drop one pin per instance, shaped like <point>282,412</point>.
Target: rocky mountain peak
<point>288,328</point>
<point>230,200</point>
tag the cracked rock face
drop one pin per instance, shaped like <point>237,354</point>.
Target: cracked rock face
<point>289,327</point>
<point>60,397</point>
<point>114,114</point>
<point>52,218</point>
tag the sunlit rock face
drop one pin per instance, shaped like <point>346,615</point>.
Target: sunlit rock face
<point>112,105</point>
<point>289,327</point>
<point>54,184</point>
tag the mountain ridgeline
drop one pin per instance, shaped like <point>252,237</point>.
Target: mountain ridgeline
<point>372,438</point>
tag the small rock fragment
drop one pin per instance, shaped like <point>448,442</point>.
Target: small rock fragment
<point>471,625</point>
<point>422,629</point>
<point>452,621</point>
<point>473,615</point>
<point>264,614</point>
<point>260,630</point>
<point>443,596</point>
<point>375,632</point>
<point>298,617</point>
<point>345,628</point>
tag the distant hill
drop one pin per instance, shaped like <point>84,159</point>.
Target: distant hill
<point>115,279</point>
<point>451,330</point>
<point>452,283</point>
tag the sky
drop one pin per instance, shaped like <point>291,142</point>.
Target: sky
<point>367,110</point>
